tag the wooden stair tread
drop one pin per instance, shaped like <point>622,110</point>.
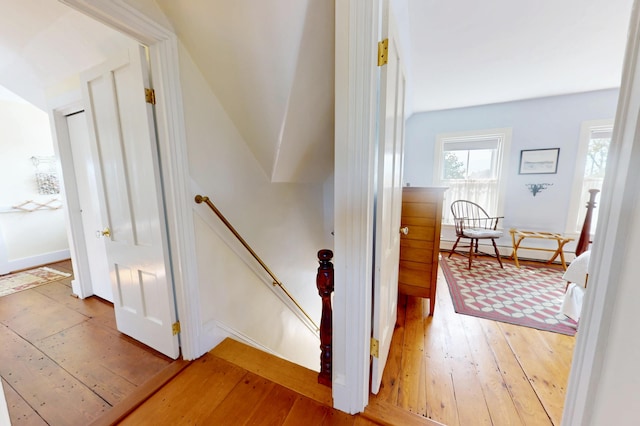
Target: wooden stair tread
<point>278,370</point>
<point>304,381</point>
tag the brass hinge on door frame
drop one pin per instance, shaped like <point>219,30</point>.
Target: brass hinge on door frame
<point>383,47</point>
<point>150,96</point>
<point>175,327</point>
<point>375,345</point>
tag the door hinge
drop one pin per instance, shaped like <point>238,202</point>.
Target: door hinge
<point>375,345</point>
<point>175,327</point>
<point>150,96</point>
<point>383,47</point>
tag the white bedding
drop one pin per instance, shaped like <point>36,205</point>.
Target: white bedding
<point>576,274</point>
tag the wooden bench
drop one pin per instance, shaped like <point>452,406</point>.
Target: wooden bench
<point>517,236</point>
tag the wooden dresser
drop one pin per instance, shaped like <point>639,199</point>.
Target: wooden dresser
<point>420,247</point>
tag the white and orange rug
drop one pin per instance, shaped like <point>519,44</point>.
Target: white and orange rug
<point>530,296</point>
<point>25,280</point>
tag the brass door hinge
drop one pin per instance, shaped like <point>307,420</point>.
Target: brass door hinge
<point>175,327</point>
<point>150,96</point>
<point>383,47</point>
<point>375,345</point>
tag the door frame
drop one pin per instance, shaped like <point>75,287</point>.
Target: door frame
<point>172,144</point>
<point>609,258</point>
<point>81,284</point>
<point>357,29</point>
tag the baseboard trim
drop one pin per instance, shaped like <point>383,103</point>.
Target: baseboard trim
<point>38,260</point>
<point>506,251</point>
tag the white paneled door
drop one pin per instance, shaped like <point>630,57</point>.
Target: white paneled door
<point>388,200</point>
<point>122,127</point>
<point>85,179</point>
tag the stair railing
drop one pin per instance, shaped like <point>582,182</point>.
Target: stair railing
<point>276,282</point>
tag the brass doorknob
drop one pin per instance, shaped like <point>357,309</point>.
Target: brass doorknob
<point>106,232</point>
<point>404,230</point>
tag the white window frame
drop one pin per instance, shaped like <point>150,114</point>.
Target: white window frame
<point>581,159</point>
<point>504,149</point>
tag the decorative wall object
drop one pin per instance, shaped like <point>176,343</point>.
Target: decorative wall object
<point>539,161</point>
<point>537,187</point>
<point>46,175</point>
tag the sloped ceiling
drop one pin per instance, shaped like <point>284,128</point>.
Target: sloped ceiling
<point>43,43</point>
<point>270,63</point>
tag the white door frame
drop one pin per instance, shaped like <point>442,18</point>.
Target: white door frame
<point>81,284</point>
<point>608,257</point>
<point>356,107</point>
<point>163,47</point>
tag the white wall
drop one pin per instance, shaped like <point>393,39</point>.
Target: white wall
<point>552,122</point>
<point>26,239</point>
<point>284,223</point>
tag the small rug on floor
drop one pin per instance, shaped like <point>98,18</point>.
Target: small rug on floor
<point>530,296</point>
<point>13,283</point>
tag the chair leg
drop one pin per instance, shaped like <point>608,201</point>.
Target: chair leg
<point>471,252</point>
<point>495,247</point>
<point>454,247</point>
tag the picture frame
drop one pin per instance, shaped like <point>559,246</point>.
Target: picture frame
<point>539,161</point>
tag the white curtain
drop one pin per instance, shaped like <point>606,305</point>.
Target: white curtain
<point>483,192</point>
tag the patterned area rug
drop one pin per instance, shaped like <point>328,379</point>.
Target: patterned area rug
<point>19,281</point>
<point>530,296</point>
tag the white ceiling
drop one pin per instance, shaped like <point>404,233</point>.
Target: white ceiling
<point>468,52</point>
<point>461,53</point>
<point>270,63</point>
<point>44,43</point>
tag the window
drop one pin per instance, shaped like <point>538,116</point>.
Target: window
<point>591,160</point>
<point>470,165</point>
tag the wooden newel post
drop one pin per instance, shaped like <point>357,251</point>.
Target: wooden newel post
<point>585,234</point>
<point>324,282</point>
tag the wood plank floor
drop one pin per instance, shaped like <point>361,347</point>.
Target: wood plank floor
<point>62,361</point>
<point>451,368</point>
<point>462,370</point>
<point>235,384</point>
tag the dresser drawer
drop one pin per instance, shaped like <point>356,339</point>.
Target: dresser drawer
<point>425,210</point>
<point>416,274</point>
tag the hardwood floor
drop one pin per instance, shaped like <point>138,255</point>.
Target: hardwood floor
<point>462,370</point>
<point>62,361</point>
<point>235,384</point>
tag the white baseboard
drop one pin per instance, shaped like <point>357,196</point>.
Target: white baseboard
<point>506,251</point>
<point>39,260</point>
<point>214,332</point>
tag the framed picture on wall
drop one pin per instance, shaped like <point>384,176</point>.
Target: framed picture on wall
<point>539,161</point>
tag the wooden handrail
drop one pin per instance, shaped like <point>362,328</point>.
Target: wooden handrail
<point>276,282</point>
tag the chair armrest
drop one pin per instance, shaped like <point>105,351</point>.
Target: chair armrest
<point>494,221</point>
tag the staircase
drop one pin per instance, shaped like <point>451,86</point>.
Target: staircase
<point>237,384</point>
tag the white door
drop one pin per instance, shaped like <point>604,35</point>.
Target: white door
<point>388,200</point>
<point>83,166</point>
<point>124,142</point>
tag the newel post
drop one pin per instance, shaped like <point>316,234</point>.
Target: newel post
<point>324,282</point>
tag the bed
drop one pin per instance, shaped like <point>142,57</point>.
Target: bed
<point>576,276</point>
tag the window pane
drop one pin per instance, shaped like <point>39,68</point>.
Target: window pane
<point>468,166</point>
<point>455,164</point>
<point>481,164</point>
<point>594,169</point>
